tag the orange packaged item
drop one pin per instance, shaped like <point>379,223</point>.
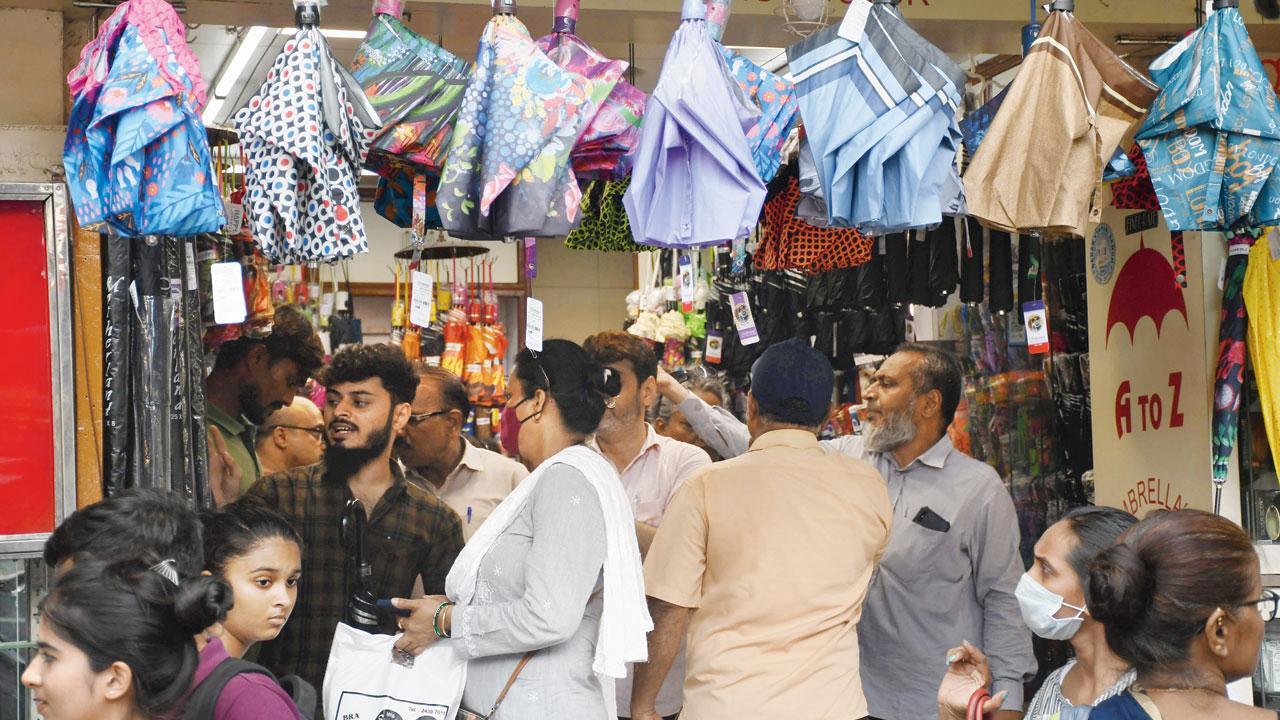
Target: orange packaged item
<point>473,372</point>
<point>455,340</point>
<point>495,380</point>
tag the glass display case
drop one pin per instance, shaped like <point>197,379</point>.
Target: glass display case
<point>22,584</point>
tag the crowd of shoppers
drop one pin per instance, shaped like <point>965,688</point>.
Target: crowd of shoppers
<point>616,570</point>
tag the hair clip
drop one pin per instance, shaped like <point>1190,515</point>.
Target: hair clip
<point>167,569</point>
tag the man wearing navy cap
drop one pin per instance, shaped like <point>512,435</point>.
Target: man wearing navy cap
<point>767,558</point>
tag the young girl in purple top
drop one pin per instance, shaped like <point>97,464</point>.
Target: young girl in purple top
<point>259,554</point>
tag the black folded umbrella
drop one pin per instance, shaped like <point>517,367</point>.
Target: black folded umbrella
<point>897,269</point>
<point>1000,255</point>
<point>918,252</point>
<point>973,283</point>
<point>944,272</point>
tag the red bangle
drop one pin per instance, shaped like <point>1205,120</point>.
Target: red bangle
<point>976,701</point>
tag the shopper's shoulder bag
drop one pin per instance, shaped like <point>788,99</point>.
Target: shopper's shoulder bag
<point>465,714</point>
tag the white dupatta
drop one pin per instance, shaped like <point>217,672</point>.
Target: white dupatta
<point>625,621</point>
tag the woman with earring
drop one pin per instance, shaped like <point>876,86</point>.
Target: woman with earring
<point>547,599</point>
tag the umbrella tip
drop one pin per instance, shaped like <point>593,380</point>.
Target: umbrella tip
<point>1068,6</point>
<point>306,13</point>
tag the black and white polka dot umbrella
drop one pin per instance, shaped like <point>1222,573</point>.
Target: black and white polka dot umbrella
<point>306,134</point>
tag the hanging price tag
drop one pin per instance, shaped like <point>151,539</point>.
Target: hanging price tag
<point>742,319</point>
<point>326,305</point>
<point>1037,322</point>
<point>687,286</point>
<point>715,348</point>
<point>228,293</point>
<point>854,26</point>
<point>533,324</point>
<point>424,295</point>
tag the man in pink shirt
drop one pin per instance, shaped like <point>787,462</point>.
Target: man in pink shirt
<point>652,467</point>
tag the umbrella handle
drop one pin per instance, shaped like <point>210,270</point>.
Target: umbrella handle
<point>1062,6</point>
<point>306,13</point>
<point>1223,4</point>
<point>504,7</point>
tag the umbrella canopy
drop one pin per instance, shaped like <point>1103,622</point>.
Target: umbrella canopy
<point>879,105</point>
<point>779,111</point>
<point>1071,103</point>
<point>416,88</point>
<point>1231,352</point>
<point>507,172</point>
<point>1212,140</point>
<point>136,154</point>
<point>694,182</point>
<point>612,133</point>
<point>1262,307</point>
<point>306,134</point>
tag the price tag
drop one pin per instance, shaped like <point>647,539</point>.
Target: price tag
<point>326,305</point>
<point>715,348</point>
<point>235,217</point>
<point>424,295</point>
<point>854,26</point>
<point>742,319</point>
<point>1037,322</point>
<point>687,286</point>
<point>228,293</point>
<point>193,278</point>
<point>533,324</point>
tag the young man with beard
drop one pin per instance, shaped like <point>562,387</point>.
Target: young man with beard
<point>411,534</point>
<point>250,380</point>
<point>652,467</point>
<point>952,565</point>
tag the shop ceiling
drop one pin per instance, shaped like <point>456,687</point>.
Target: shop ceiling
<point>982,34</point>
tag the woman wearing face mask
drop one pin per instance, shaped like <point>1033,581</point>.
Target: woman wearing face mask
<point>1182,601</point>
<point>116,640</point>
<point>1051,596</point>
<point>549,593</point>
<point>257,552</point>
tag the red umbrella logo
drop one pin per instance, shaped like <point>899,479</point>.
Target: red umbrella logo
<point>1146,287</point>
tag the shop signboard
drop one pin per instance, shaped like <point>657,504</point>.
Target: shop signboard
<point>1150,365</point>
<point>37,448</point>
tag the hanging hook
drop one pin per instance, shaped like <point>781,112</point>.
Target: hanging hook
<point>1068,6</point>
<point>306,14</point>
<point>504,7</point>
<point>1222,4</point>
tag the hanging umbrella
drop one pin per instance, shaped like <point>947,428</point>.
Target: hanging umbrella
<point>1231,354</point>
<point>779,111</point>
<point>694,182</point>
<point>1066,112</point>
<point>1212,140</point>
<point>136,154</point>
<point>416,87</point>
<point>1262,308</point>
<point>305,135</point>
<point>507,172</point>
<point>612,133</point>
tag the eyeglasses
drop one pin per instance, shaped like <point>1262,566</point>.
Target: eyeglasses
<point>318,432</point>
<point>415,419</point>
<point>1268,605</point>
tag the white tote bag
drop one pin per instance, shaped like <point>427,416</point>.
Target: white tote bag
<point>363,683</point>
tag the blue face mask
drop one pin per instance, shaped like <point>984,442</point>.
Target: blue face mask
<point>1039,607</point>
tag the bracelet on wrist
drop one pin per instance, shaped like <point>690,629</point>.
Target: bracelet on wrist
<point>435,621</point>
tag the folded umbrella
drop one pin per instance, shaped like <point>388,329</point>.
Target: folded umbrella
<point>1229,380</point>
<point>1262,308</point>
<point>1212,140</point>
<point>306,135</point>
<point>613,131</point>
<point>507,172</point>
<point>1066,112</point>
<point>775,96</point>
<point>136,153</point>
<point>694,182</point>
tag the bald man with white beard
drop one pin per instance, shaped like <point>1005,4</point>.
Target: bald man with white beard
<point>292,436</point>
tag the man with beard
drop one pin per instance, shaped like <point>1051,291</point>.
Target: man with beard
<point>652,467</point>
<point>251,379</point>
<point>412,535</point>
<point>952,564</point>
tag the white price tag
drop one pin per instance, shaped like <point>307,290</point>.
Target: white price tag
<point>228,293</point>
<point>715,348</point>
<point>326,305</point>
<point>854,26</point>
<point>193,278</point>
<point>533,324</point>
<point>687,287</point>
<point>424,296</point>
<point>1037,322</point>
<point>743,320</point>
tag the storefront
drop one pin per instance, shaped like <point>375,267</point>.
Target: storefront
<point>1098,366</point>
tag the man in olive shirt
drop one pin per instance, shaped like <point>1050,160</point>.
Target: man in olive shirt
<point>773,622</point>
<point>251,379</point>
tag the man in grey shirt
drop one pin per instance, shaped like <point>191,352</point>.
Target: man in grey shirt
<point>952,564</point>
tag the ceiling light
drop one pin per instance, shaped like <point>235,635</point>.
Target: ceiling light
<point>212,110</point>
<point>240,60</point>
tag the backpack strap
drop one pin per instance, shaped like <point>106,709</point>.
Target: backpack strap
<point>204,699</point>
<point>304,696</point>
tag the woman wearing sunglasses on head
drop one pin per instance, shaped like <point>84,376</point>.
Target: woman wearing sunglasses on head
<point>549,594</point>
<point>1051,597</point>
